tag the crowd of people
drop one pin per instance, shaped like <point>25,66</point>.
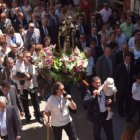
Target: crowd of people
<point>110,40</point>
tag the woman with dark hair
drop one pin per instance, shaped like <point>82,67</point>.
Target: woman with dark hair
<point>58,107</point>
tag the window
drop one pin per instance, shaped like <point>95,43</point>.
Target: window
<point>136,6</point>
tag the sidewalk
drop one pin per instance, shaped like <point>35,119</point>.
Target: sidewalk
<point>35,130</point>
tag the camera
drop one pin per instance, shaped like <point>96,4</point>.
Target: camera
<point>65,94</point>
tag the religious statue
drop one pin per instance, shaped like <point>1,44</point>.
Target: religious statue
<point>66,35</point>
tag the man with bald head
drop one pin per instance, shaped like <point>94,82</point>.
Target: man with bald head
<point>31,36</point>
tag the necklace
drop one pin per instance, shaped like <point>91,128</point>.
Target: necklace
<point>59,101</point>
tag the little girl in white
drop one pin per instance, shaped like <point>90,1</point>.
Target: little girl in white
<point>109,90</point>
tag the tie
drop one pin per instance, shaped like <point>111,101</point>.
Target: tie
<point>81,29</point>
<point>45,31</point>
<point>33,38</point>
<point>128,68</point>
<point>110,64</point>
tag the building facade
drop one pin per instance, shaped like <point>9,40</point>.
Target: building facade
<point>124,5</point>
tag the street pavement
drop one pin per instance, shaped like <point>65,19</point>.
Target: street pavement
<point>37,131</point>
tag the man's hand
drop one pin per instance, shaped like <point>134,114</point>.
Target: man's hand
<point>27,75</point>
<point>48,124</point>
<point>21,114</point>
<point>68,96</point>
<point>96,93</point>
<point>18,137</point>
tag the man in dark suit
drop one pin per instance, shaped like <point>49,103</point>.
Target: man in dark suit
<point>124,79</point>
<point>10,123</point>
<point>92,23</point>
<point>20,21</point>
<point>53,24</point>
<point>120,54</point>
<point>14,15</point>
<point>10,92</point>
<point>4,22</point>
<point>81,27</point>
<point>13,52</point>
<point>97,51</point>
<point>97,114</point>
<point>44,30</point>
<point>94,35</point>
<point>36,20</point>
<point>82,43</point>
<point>105,65</point>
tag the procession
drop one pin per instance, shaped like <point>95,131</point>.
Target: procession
<point>69,69</point>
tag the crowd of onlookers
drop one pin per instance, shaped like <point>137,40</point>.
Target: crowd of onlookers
<point>109,38</point>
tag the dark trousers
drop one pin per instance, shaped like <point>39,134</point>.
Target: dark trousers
<point>70,131</point>
<point>124,103</point>
<point>134,107</point>
<point>35,103</point>
<point>100,122</point>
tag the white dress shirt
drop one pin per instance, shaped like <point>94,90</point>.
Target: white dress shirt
<point>105,14</point>
<point>89,68</point>
<point>121,40</point>
<point>136,91</point>
<point>101,101</point>
<point>3,128</point>
<point>31,69</point>
<point>131,42</point>
<point>58,107</point>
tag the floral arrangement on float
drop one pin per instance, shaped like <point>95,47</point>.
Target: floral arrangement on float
<point>65,66</point>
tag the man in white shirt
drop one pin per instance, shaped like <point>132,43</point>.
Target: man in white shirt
<point>30,87</point>
<point>131,42</point>
<point>105,12</point>
<point>135,100</point>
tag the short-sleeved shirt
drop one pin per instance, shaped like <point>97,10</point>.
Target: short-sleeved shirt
<point>58,107</point>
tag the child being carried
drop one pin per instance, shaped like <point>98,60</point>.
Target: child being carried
<point>109,90</point>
